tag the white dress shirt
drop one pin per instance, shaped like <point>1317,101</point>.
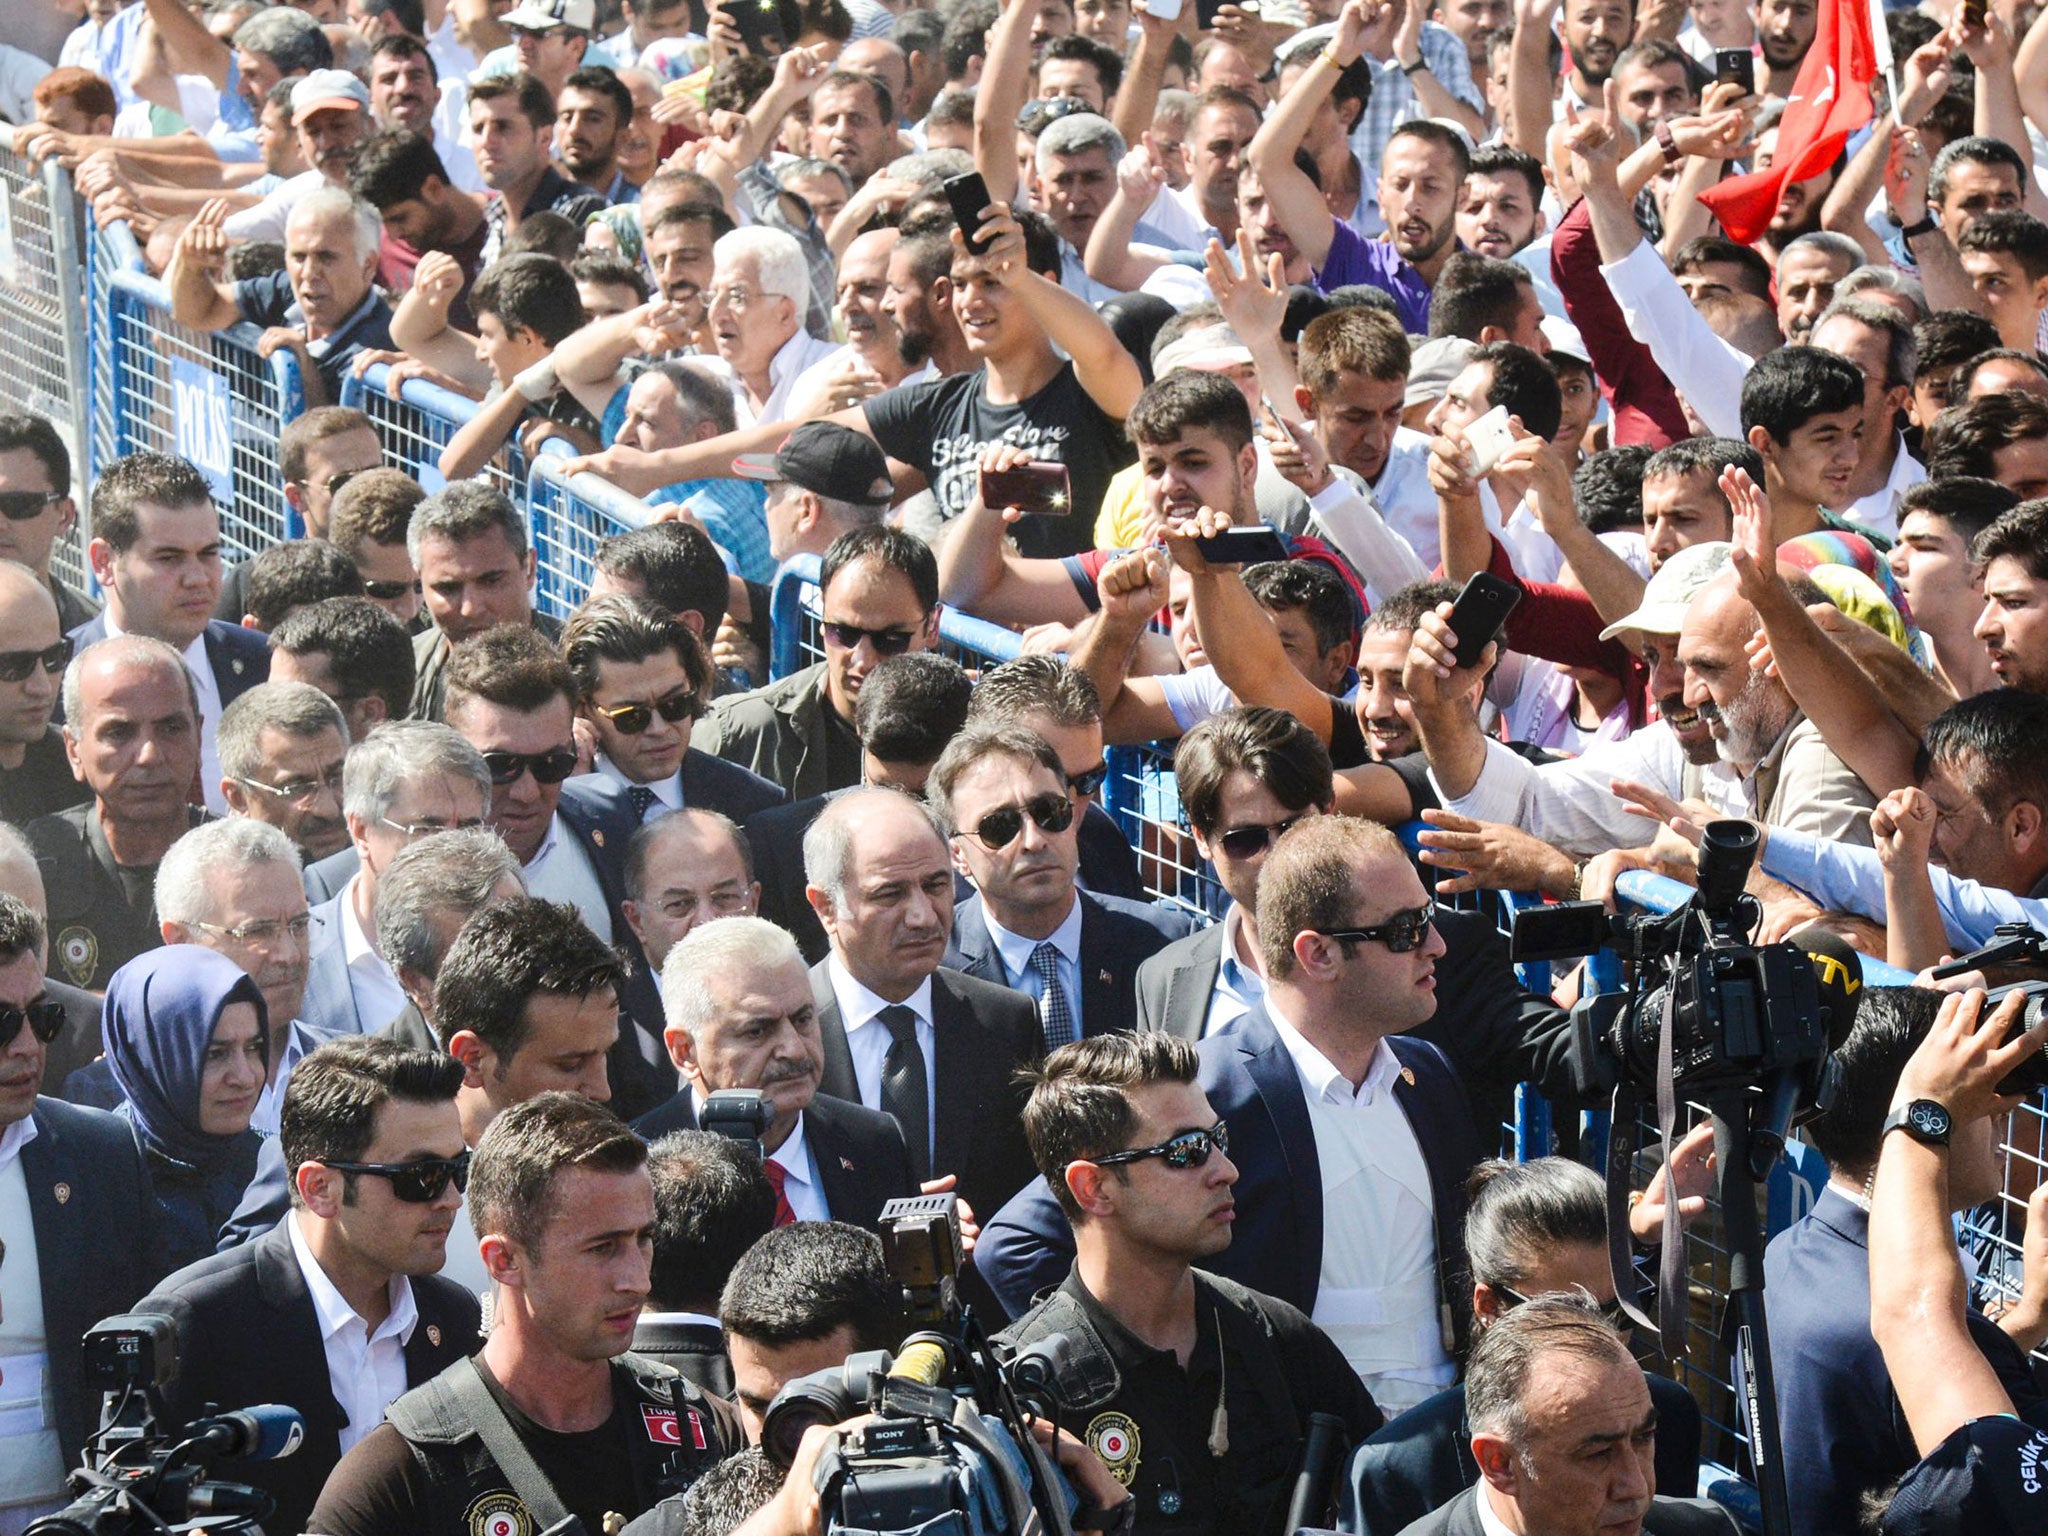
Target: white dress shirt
<point>1405,497</point>
<point>784,369</point>
<point>379,998</point>
<point>1377,1296</point>
<point>561,871</point>
<point>868,1041</point>
<point>1015,952</point>
<point>1880,509</point>
<point>668,792</point>
<point>1490,1522</point>
<point>800,1186</point>
<point>365,1367</point>
<point>200,666</point>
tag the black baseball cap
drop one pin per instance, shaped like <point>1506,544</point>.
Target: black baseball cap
<point>826,458</point>
<point>1988,1478</point>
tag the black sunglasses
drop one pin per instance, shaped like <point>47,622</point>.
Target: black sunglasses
<point>389,591</point>
<point>1190,1149</point>
<point>546,767</point>
<point>632,719</point>
<point>342,477</point>
<point>20,506</point>
<point>1248,842</point>
<point>1611,1310</point>
<point>45,1020</point>
<point>15,666</point>
<point>1400,933</point>
<point>415,1183</point>
<point>999,829</point>
<point>887,642</point>
<point>1088,780</point>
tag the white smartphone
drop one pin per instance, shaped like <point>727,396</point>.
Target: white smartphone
<point>1487,439</point>
<point>1165,10</point>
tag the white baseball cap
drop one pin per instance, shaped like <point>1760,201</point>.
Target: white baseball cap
<point>546,15</point>
<point>1671,591</point>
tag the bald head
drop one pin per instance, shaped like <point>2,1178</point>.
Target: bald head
<point>28,622</point>
<point>21,587</point>
<point>684,870</point>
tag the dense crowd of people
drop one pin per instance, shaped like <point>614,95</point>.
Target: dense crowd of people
<point>374,942</point>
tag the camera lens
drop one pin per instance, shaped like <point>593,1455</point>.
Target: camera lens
<point>2031,1075</point>
<point>816,1399</point>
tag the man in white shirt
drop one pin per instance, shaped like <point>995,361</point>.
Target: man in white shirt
<point>406,780</point>
<point>338,1310</point>
<point>759,295</point>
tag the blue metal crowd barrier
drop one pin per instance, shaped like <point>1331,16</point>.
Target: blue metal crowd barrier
<point>418,422</point>
<point>793,625</point>
<point>569,516</point>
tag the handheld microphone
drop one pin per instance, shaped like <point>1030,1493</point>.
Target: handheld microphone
<point>1838,971</point>
<point>266,1432</point>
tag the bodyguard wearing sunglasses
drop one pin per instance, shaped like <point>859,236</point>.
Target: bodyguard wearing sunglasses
<point>1194,1390</point>
<point>36,509</point>
<point>339,1308</point>
<point>642,679</point>
<point>1352,1138</point>
<point>1003,792</point>
<point>318,453</point>
<point>35,777</point>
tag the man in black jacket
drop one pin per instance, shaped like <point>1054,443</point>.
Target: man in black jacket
<point>338,1309</point>
<point>712,1203</point>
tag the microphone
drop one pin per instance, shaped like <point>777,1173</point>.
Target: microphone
<point>266,1432</point>
<point>1838,970</point>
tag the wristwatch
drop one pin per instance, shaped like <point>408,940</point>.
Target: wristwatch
<point>1417,67</point>
<point>1672,153</point>
<point>1924,226</point>
<point>1923,1120</point>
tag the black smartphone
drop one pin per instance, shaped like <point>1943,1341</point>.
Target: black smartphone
<point>1205,11</point>
<point>968,197</point>
<point>739,1114</point>
<point>1563,931</point>
<point>760,24</point>
<point>1041,488</point>
<point>1478,614</point>
<point>1737,65</point>
<point>1243,546</point>
<point>1973,13</point>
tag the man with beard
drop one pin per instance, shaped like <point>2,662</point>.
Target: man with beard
<point>399,173</point>
<point>1799,204</point>
<point>918,298</point>
<point>680,237</point>
<point>330,115</point>
<point>591,117</point>
<point>510,120</point>
<point>874,357</point>
<point>1784,31</point>
<point>1501,212</point>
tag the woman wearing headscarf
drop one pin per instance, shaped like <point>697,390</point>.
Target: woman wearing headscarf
<point>187,1041</point>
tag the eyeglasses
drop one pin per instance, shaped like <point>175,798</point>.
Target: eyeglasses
<point>390,591</point>
<point>1249,842</point>
<point>1611,1310</point>
<point>1190,1149</point>
<point>20,506</point>
<point>999,829</point>
<point>264,933</point>
<point>414,830</point>
<point>416,1183</point>
<point>546,767</point>
<point>15,666</point>
<point>887,642</point>
<point>1089,780</point>
<point>1400,933</point>
<point>45,1020</point>
<point>298,789</point>
<point>342,477</point>
<point>632,719</point>
<point>734,299</point>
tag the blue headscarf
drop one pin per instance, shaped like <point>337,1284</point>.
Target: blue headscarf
<point>161,1012</point>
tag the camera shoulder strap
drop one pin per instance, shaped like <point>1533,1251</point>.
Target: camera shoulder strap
<point>482,1410</point>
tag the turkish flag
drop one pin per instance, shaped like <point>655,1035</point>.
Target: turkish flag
<point>1830,101</point>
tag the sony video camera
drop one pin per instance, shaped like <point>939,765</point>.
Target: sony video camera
<point>949,1439</point>
<point>141,1477</point>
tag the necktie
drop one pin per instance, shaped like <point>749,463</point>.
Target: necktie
<point>1055,1015</point>
<point>905,1091</point>
<point>641,797</point>
<point>785,1214</point>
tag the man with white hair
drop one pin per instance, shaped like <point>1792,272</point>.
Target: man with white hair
<point>1076,160</point>
<point>233,887</point>
<point>424,896</point>
<point>406,780</point>
<point>741,1014</point>
<point>760,291</point>
<point>281,750</point>
<point>324,305</point>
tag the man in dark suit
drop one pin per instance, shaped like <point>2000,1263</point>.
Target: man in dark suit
<point>1563,1428</point>
<point>936,1049</point>
<point>741,1014</point>
<point>1843,1431</point>
<point>343,1293</point>
<point>155,552</point>
<point>1002,791</point>
<point>1352,1138</point>
<point>712,1202</point>
<point>86,1185</point>
<point>688,867</point>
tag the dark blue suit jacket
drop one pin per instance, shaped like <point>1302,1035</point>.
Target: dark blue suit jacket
<point>710,783</point>
<point>240,657</point>
<point>1117,936</point>
<point>99,1245</point>
<point>1252,1083</point>
<point>1840,1424</point>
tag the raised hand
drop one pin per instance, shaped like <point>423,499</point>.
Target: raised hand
<point>1967,1055</point>
<point>437,280</point>
<point>1903,828</point>
<point>1755,554</point>
<point>1133,587</point>
<point>1180,536</point>
<point>204,244</point>
<point>1300,456</point>
<point>1689,1170</point>
<point>1491,857</point>
<point>1138,178</point>
<point>1432,673</point>
<point>1255,301</point>
<point>1924,79</point>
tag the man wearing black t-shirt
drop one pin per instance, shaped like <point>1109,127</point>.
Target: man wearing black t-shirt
<point>35,777</point>
<point>561,1199</point>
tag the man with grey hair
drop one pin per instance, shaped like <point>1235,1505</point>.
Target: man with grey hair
<point>741,1014</point>
<point>324,306</point>
<point>424,896</point>
<point>131,731</point>
<point>826,480</point>
<point>760,292</point>
<point>938,1050</point>
<point>1563,1432</point>
<point>1810,269</point>
<point>281,751</point>
<point>233,887</point>
<point>1076,159</point>
<point>682,871</point>
<point>476,569</point>
<point>406,780</point>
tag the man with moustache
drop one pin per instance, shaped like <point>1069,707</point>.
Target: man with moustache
<point>281,749</point>
<point>874,357</point>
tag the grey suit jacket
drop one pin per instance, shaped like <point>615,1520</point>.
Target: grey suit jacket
<point>1175,985</point>
<point>330,1006</point>
<point>1667,1517</point>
